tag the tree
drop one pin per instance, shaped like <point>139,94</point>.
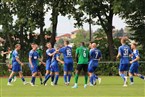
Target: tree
<point>102,12</point>
<point>133,12</point>
<point>81,36</point>
<point>59,7</point>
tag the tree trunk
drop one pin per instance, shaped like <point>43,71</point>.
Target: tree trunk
<point>21,37</point>
<point>10,41</point>
<point>111,45</point>
<point>54,25</point>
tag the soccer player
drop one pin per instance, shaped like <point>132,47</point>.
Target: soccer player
<point>95,78</point>
<point>95,56</point>
<point>39,63</point>
<point>33,60</point>
<point>49,54</point>
<point>133,70</point>
<point>82,57</point>
<point>124,52</point>
<point>16,65</point>
<point>68,62</point>
<point>9,61</point>
<point>54,68</point>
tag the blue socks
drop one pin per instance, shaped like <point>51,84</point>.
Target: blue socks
<point>69,77</point>
<point>23,79</point>
<point>52,78</point>
<point>65,78</point>
<point>46,78</point>
<point>131,79</point>
<point>9,80</point>
<point>33,80</point>
<point>142,77</point>
<point>56,79</point>
<point>91,79</point>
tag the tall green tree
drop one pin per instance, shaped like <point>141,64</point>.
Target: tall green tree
<point>101,12</point>
<point>133,11</point>
<point>59,7</point>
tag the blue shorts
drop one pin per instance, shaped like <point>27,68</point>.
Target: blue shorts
<point>48,63</point>
<point>33,70</point>
<point>93,63</point>
<point>54,67</point>
<point>16,67</point>
<point>92,69</point>
<point>123,67</point>
<point>133,68</point>
<point>68,67</point>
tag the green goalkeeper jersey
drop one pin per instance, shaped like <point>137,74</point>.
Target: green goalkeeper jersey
<point>40,55</point>
<point>83,55</point>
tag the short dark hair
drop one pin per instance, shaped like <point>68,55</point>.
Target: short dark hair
<point>91,42</point>
<point>67,42</point>
<point>83,43</point>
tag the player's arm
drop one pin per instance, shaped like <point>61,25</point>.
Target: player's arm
<point>136,59</point>
<point>58,59</point>
<point>100,55</point>
<point>119,53</point>
<point>4,53</point>
<point>41,60</point>
<point>51,54</point>
<point>18,60</point>
<point>76,55</point>
<point>30,60</point>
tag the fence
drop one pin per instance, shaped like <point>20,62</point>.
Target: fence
<point>105,68</point>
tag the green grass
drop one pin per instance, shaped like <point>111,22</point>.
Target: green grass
<point>110,87</point>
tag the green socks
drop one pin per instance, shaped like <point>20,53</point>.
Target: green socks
<point>76,78</point>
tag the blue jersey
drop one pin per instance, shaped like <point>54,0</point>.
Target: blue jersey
<point>14,56</point>
<point>34,57</point>
<point>95,54</point>
<point>67,54</point>
<point>124,51</point>
<point>135,55</point>
<point>49,51</point>
<point>54,59</point>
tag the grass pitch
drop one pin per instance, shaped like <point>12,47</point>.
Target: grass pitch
<point>110,87</point>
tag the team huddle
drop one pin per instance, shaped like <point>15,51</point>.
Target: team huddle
<point>87,59</point>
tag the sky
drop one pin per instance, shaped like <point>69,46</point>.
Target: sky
<point>66,25</point>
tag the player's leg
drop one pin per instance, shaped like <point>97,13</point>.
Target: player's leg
<point>40,76</point>
<point>22,77</point>
<point>85,69</point>
<point>56,70</point>
<point>52,78</point>
<point>47,78</point>
<point>77,72</point>
<point>65,68</point>
<point>10,78</point>
<point>70,69</point>
<point>131,78</point>
<point>137,74</point>
<point>122,68</point>
<point>140,76</point>
<point>33,78</point>
<point>49,75</point>
<point>39,73</point>
<point>131,72</point>
<point>91,77</point>
<point>56,78</point>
